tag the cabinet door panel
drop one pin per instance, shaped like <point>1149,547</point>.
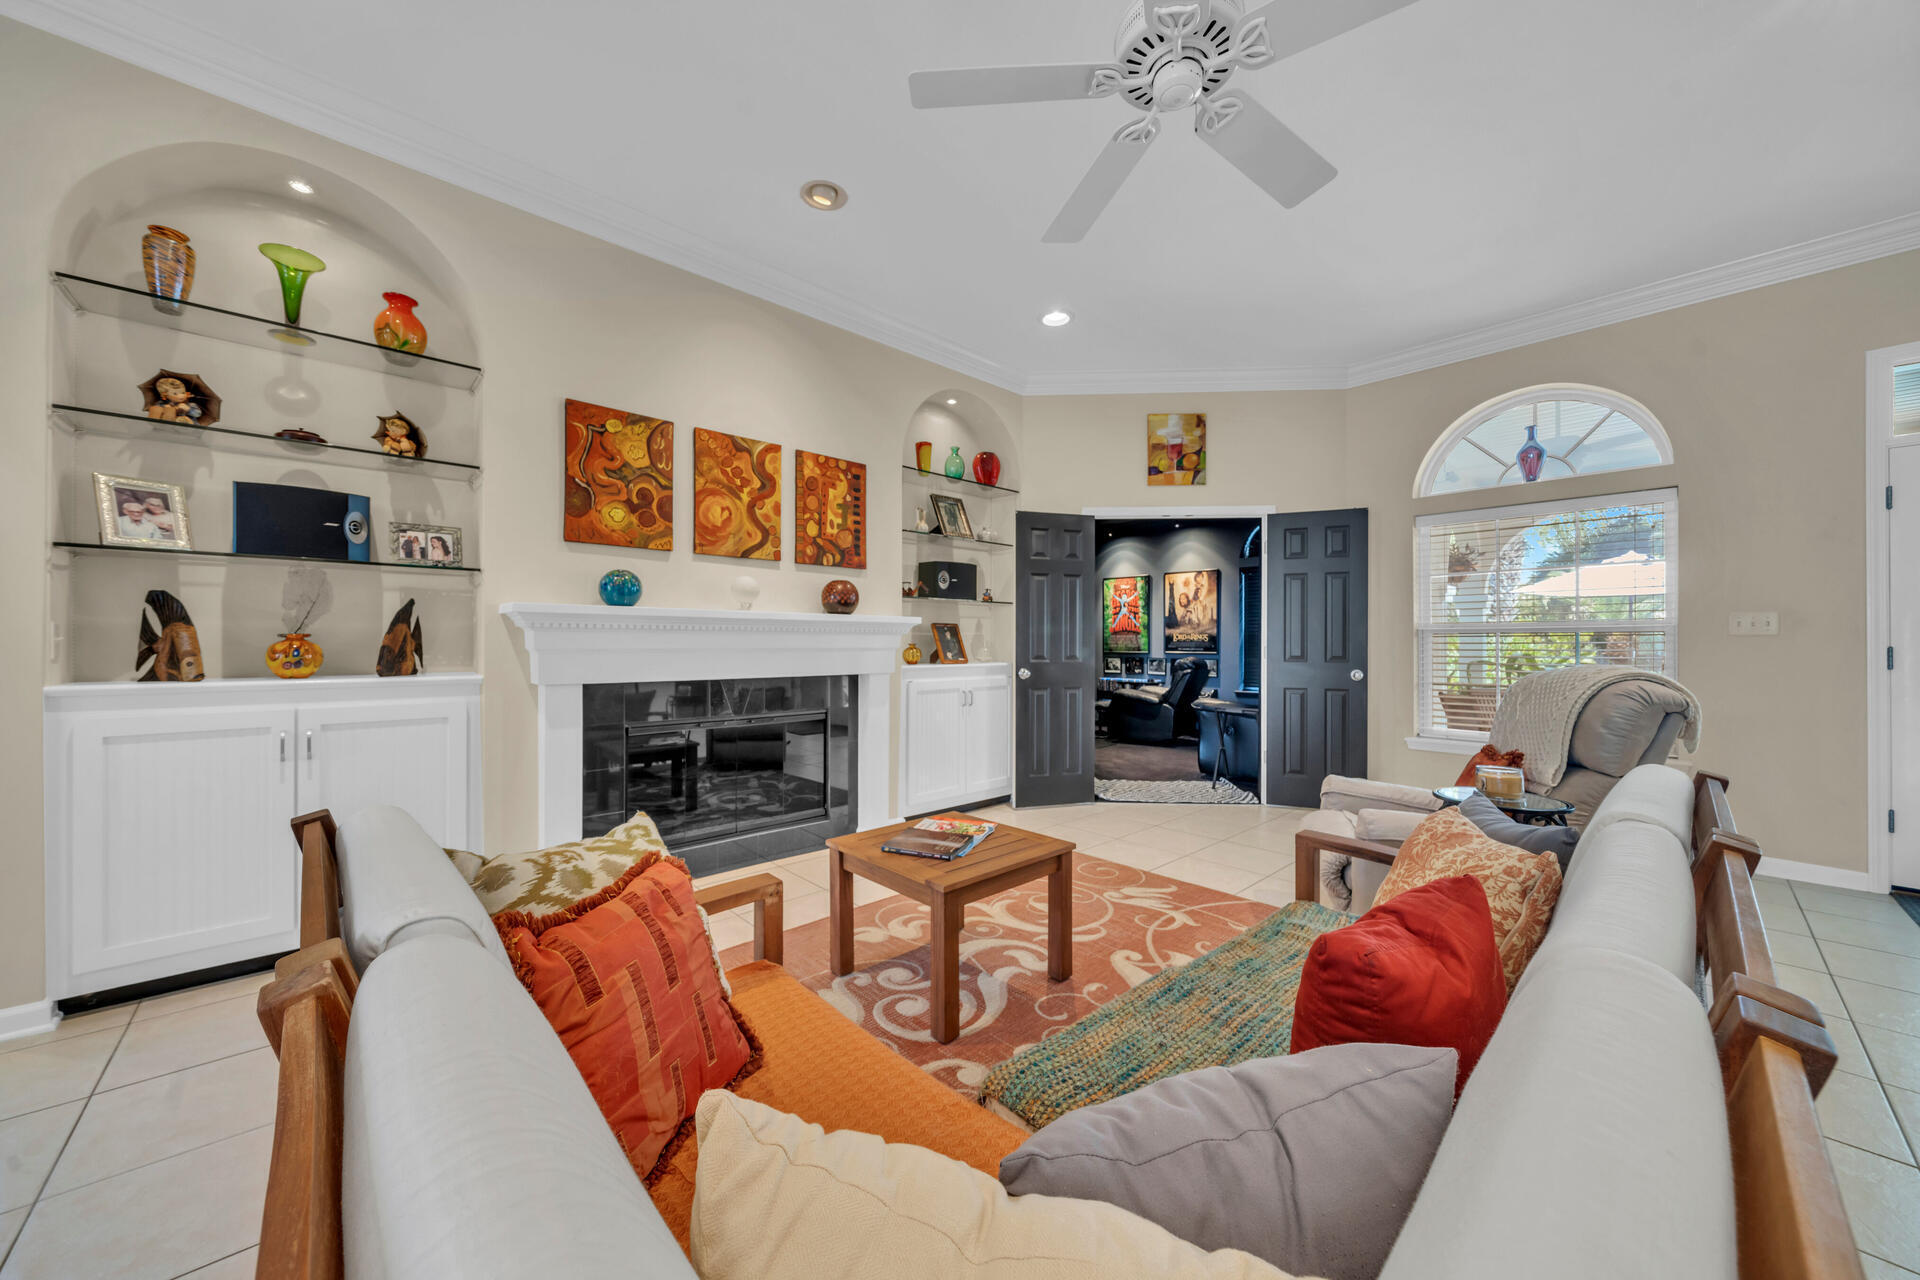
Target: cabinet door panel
<point>990,738</point>
<point>178,843</point>
<point>409,754</point>
<point>935,729</point>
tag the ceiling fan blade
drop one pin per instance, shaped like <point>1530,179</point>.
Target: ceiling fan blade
<point>1102,182</point>
<point>1293,25</point>
<point>1255,142</point>
<point>985,86</point>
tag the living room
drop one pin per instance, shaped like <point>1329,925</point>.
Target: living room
<point>1711,331</point>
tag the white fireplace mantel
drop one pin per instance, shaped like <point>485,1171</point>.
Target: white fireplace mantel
<point>571,645</point>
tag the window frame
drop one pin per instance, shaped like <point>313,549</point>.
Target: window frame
<point>1637,413</point>
<point>1426,737</point>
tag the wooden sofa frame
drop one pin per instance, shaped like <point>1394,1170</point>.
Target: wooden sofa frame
<point>305,1011</point>
<point>1775,1053</point>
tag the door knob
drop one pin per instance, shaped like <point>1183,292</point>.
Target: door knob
<point>1024,673</point>
<point>1356,674</point>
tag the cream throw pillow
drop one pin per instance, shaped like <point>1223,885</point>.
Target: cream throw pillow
<point>547,880</point>
<point>776,1198</point>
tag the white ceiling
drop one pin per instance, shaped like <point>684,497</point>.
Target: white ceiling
<point>1508,168</point>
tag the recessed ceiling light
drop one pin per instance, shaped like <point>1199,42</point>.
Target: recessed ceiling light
<point>823,195</point>
<point>1055,318</point>
<point>951,400</point>
<point>300,186</point>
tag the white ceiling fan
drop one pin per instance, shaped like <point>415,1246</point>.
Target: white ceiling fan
<point>1173,54</point>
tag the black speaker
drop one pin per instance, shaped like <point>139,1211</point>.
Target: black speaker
<point>293,520</point>
<point>950,579</point>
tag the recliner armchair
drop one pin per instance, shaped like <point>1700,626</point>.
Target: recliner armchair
<point>1141,715</point>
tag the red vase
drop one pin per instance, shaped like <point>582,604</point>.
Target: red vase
<point>986,467</point>
<point>397,328</point>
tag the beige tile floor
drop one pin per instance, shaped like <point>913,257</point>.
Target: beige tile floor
<point>134,1141</point>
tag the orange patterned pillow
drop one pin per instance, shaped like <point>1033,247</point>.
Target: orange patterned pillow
<point>1522,887</point>
<point>629,981</point>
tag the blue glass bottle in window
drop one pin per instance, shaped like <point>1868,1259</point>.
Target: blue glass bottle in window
<point>1530,457</point>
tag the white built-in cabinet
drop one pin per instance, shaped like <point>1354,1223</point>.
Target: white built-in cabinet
<point>167,808</point>
<point>956,735</point>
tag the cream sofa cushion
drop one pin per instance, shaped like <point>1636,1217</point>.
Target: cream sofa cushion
<point>1655,793</point>
<point>776,1198</point>
<point>1590,1142</point>
<point>1355,794</point>
<point>394,877</point>
<point>1629,890</point>
<point>542,881</point>
<point>471,1146</point>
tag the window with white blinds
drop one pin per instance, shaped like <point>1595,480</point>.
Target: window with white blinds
<point>1504,592</point>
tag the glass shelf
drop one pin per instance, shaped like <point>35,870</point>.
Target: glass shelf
<point>135,426</point>
<point>100,298</point>
<point>96,548</point>
<point>949,537</point>
<point>941,477</point>
<point>917,601</point>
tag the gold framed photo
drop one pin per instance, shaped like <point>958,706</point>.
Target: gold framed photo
<point>947,642</point>
<point>952,515</point>
<point>149,514</point>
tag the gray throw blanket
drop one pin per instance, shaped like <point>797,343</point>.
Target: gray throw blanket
<point>1537,713</point>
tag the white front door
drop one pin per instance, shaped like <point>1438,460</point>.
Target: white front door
<point>410,754</point>
<point>1903,563</point>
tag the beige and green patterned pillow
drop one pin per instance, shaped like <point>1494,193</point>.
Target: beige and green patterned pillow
<point>548,880</point>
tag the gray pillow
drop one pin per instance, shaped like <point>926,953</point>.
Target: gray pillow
<point>1310,1161</point>
<point>1485,814</point>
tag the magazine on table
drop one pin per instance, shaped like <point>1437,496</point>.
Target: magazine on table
<point>941,838</point>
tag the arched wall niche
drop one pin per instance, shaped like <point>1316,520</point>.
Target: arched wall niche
<point>955,417</point>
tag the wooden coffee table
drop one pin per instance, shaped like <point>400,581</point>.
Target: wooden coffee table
<point>1006,858</point>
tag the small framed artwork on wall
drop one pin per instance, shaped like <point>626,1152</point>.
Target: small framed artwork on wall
<point>1157,667</point>
<point>1113,664</point>
<point>946,638</point>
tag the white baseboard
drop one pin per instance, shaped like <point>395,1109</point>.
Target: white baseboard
<point>1814,873</point>
<point>28,1019</point>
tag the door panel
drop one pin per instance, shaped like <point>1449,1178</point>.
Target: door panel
<point>1903,562</point>
<point>934,727</point>
<point>409,754</point>
<point>1316,678</point>
<point>989,738</point>
<point>179,841</point>
<point>1056,645</point>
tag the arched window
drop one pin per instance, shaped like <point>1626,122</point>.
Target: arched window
<point>1543,433</point>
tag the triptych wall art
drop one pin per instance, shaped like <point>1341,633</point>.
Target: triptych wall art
<point>736,496</point>
<point>830,520</point>
<point>619,478</point>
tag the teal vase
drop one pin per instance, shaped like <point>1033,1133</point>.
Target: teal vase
<point>294,266</point>
<point>956,468</point>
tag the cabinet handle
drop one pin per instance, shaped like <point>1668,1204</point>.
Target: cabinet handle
<point>309,746</point>
<point>283,746</point>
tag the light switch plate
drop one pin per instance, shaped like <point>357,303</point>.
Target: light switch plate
<point>1753,624</point>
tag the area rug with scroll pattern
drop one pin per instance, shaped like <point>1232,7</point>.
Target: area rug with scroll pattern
<point>1128,927</point>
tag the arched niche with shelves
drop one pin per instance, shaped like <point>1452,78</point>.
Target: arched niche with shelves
<point>959,419</point>
<point>106,340</point>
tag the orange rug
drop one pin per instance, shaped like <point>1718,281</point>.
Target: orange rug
<point>1128,925</point>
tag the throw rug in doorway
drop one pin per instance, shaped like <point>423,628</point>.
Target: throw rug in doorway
<point>1129,791</point>
<point>1909,902</point>
<point>1128,926</point>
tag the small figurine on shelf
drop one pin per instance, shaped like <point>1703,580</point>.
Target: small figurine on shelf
<point>906,589</point>
<point>169,646</point>
<point>182,398</point>
<point>920,524</point>
<point>396,434</point>
<point>403,652</point>
<point>986,596</point>
<point>397,328</point>
<point>307,595</point>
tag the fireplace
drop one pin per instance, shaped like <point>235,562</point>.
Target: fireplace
<point>733,772</point>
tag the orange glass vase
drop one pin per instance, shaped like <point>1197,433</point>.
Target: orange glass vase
<point>397,328</point>
<point>294,656</point>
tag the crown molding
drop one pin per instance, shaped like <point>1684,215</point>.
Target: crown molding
<point>153,39</point>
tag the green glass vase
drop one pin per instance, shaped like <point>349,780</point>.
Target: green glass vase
<point>294,266</point>
<point>956,467</point>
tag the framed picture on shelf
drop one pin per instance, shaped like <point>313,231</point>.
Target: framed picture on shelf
<point>951,513</point>
<point>1136,665</point>
<point>141,513</point>
<point>946,640</point>
<point>1113,664</point>
<point>1157,667</point>
<point>436,545</point>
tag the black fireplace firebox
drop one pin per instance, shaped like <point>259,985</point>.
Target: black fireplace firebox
<point>733,772</point>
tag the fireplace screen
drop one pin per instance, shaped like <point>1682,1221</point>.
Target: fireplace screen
<point>732,771</point>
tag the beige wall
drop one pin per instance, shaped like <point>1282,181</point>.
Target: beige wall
<point>555,313</point>
<point>1764,396</point>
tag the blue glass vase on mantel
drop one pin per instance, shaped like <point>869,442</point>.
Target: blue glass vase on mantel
<point>620,587</point>
<point>956,466</point>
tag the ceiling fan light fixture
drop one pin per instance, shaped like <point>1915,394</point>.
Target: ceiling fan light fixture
<point>823,195</point>
<point>1056,317</point>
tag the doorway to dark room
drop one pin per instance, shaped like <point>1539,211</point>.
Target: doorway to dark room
<point>1178,707</point>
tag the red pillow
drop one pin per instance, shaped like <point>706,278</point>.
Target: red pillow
<point>1422,969</point>
<point>1489,754</point>
<point>628,980</point>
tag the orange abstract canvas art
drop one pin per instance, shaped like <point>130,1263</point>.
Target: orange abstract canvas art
<point>619,478</point>
<point>736,496</point>
<point>1176,448</point>
<point>830,511</point>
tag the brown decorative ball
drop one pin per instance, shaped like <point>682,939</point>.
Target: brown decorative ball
<point>839,596</point>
